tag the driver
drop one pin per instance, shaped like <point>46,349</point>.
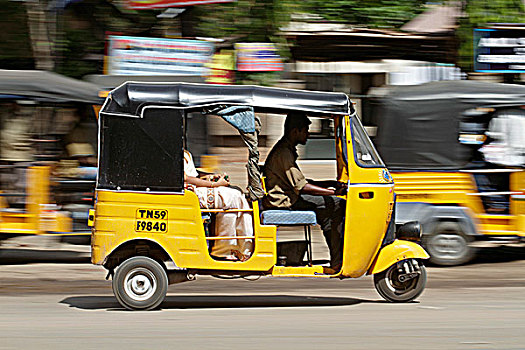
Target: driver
<point>289,189</point>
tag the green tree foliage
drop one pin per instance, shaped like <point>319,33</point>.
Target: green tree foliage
<point>247,21</point>
<point>366,13</point>
<point>251,20</point>
<point>83,29</point>
<point>260,20</point>
<point>481,13</point>
<point>15,45</point>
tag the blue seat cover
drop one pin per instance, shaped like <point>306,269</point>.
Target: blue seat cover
<point>288,217</point>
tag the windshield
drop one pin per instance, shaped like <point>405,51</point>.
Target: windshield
<point>365,153</point>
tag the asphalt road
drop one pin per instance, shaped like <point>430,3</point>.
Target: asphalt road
<point>52,298</point>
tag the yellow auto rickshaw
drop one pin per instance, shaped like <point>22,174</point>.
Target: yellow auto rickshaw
<point>149,231</point>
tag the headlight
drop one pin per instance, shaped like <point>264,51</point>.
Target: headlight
<point>411,231</point>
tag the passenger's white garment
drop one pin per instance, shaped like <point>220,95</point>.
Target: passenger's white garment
<point>226,224</point>
<point>507,132</point>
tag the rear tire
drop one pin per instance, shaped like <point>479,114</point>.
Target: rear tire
<point>391,289</point>
<point>448,245</point>
<point>140,283</point>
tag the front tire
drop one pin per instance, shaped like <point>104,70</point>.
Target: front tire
<point>140,283</point>
<point>391,289</point>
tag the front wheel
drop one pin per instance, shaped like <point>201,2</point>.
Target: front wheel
<point>448,246</point>
<point>140,283</point>
<point>401,282</point>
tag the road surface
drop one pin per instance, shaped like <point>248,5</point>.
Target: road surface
<point>68,304</point>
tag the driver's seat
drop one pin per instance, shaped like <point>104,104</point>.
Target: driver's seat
<point>285,217</point>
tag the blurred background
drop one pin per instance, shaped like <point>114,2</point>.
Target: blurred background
<point>438,86</point>
<point>59,59</point>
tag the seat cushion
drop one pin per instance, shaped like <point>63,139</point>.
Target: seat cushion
<point>288,217</point>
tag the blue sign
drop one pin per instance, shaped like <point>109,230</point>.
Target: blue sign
<point>499,50</point>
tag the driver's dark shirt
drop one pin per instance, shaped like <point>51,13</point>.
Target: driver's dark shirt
<point>284,180</point>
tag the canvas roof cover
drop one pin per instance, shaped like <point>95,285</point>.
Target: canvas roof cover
<point>47,87</point>
<point>418,126</point>
<point>130,98</point>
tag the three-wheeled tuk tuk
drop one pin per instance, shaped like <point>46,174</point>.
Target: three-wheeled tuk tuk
<point>148,231</point>
<point>39,112</point>
<point>458,163</point>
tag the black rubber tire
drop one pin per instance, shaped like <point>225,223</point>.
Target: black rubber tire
<point>140,283</point>
<point>448,245</point>
<point>392,290</point>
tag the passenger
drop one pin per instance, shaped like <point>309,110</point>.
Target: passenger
<point>84,155</point>
<point>288,188</point>
<point>214,193</point>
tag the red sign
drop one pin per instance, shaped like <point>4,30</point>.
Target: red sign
<point>258,57</point>
<point>157,4</point>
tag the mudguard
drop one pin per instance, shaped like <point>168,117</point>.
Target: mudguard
<point>397,251</point>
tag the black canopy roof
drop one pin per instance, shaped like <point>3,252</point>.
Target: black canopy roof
<point>46,87</point>
<point>130,98</point>
<point>462,93</point>
<point>418,126</point>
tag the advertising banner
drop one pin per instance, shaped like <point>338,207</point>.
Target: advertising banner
<point>258,57</point>
<point>157,56</point>
<point>222,68</point>
<point>157,4</point>
<point>499,50</point>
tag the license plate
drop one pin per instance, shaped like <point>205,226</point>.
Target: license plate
<point>151,220</point>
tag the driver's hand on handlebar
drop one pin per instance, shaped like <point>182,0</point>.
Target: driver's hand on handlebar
<point>341,190</point>
<point>341,185</point>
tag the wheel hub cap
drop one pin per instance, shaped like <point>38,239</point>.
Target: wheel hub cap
<point>449,245</point>
<point>140,284</point>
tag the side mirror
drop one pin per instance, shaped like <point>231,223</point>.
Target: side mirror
<point>410,231</point>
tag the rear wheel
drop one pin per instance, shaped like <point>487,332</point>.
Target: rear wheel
<point>396,285</point>
<point>448,245</point>
<point>140,283</point>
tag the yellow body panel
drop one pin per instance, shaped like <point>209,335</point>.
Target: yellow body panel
<point>342,169</point>
<point>459,188</point>
<point>35,219</point>
<point>301,271</point>
<point>369,205</point>
<point>496,224</point>
<point>395,252</point>
<point>91,218</point>
<point>517,205</point>
<point>365,226</point>
<point>184,240</point>
<point>437,188</point>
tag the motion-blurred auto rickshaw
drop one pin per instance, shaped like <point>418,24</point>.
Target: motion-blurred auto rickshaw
<point>458,163</point>
<point>38,112</point>
<point>148,231</point>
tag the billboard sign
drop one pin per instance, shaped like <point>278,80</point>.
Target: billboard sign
<point>258,57</point>
<point>157,56</point>
<point>158,4</point>
<point>222,68</point>
<point>499,50</point>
